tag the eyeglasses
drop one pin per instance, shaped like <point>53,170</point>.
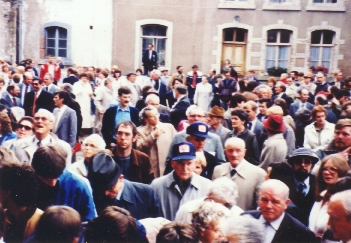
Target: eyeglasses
<point>35,84</point>
<point>38,118</point>
<point>20,126</point>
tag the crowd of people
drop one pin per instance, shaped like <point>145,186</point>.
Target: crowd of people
<point>181,158</point>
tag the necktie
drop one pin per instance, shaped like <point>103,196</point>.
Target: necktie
<point>194,79</point>
<point>39,143</point>
<point>156,86</point>
<point>249,125</point>
<point>232,172</point>
<point>34,104</point>
<point>46,88</point>
<point>14,101</point>
<point>301,189</point>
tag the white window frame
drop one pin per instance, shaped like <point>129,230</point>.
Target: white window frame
<point>57,39</point>
<point>277,45</point>
<point>321,46</point>
<point>237,4</point>
<point>339,6</point>
<point>138,40</point>
<point>293,5</point>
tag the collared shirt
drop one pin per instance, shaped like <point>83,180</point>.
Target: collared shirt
<point>46,141</point>
<point>24,92</point>
<point>122,115</point>
<point>150,54</point>
<point>306,187</point>
<point>37,93</point>
<point>237,168</point>
<point>253,122</point>
<point>119,195</point>
<point>181,97</point>
<point>272,228</point>
<point>51,68</point>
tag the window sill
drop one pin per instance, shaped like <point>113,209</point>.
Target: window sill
<point>280,7</point>
<point>326,7</point>
<point>243,5</point>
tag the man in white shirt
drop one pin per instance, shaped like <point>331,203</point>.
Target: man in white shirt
<point>49,86</point>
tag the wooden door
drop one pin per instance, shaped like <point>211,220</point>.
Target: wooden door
<point>236,54</point>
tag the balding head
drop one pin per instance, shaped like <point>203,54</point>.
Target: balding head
<point>153,100</point>
<point>235,150</point>
<point>28,78</point>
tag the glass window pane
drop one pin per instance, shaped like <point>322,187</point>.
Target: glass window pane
<point>62,44</point>
<point>316,37</point>
<point>318,1</point>
<point>272,36</point>
<point>50,32</point>
<point>283,56</point>
<point>229,34</point>
<point>285,36</point>
<point>161,51</point>
<point>240,35</point>
<point>154,30</point>
<point>146,42</point>
<point>314,57</point>
<point>62,33</point>
<point>62,53</point>
<point>50,51</point>
<point>270,56</point>
<point>328,37</point>
<point>50,43</point>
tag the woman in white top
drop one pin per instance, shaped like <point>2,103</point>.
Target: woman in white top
<point>203,94</point>
<point>319,133</point>
<point>332,168</point>
<point>83,92</point>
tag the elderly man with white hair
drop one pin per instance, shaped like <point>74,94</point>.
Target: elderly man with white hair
<point>43,123</point>
<point>247,176</point>
<point>339,210</point>
<point>279,225</point>
<point>91,146</point>
<point>223,190</point>
<point>159,85</point>
<point>154,100</point>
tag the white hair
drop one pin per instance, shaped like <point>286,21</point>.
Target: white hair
<point>157,72</point>
<point>152,97</point>
<point>224,189</point>
<point>193,108</point>
<point>345,198</point>
<point>244,229</point>
<point>277,186</point>
<point>46,113</point>
<point>96,139</point>
<point>234,141</point>
<point>208,212</point>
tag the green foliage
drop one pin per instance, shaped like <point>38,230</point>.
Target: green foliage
<point>276,71</point>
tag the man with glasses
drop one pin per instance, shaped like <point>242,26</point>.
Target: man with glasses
<point>38,99</point>
<point>24,129</point>
<point>303,184</point>
<point>43,123</point>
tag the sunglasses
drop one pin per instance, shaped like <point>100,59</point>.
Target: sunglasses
<point>28,128</point>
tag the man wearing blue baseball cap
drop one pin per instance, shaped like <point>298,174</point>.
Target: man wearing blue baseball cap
<point>182,184</point>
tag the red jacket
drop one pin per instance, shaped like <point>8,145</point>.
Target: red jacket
<point>45,69</point>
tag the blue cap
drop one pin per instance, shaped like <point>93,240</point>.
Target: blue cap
<point>183,151</point>
<point>198,129</point>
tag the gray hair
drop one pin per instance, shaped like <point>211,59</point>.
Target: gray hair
<point>107,81</point>
<point>151,97</point>
<point>96,139</point>
<point>224,189</point>
<point>157,72</point>
<point>234,140</point>
<point>277,186</point>
<point>345,198</point>
<point>262,86</point>
<point>142,114</point>
<point>51,77</point>
<point>208,212</point>
<point>46,113</point>
<point>244,229</point>
<point>193,108</point>
<point>67,87</point>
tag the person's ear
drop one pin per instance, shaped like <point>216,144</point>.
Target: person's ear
<point>134,139</point>
<point>287,201</point>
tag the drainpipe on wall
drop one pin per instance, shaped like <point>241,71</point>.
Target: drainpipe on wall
<point>19,31</point>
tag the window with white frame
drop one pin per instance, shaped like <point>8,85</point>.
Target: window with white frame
<point>157,36</point>
<point>322,42</point>
<point>280,1</point>
<point>326,5</point>
<point>293,5</point>
<point>238,4</point>
<point>325,1</point>
<point>56,41</point>
<point>278,48</point>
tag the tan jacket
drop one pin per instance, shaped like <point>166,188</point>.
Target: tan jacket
<point>174,76</point>
<point>156,149</point>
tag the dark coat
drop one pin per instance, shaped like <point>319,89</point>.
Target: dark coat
<point>70,80</point>
<point>285,97</point>
<point>74,105</point>
<point>44,101</point>
<point>8,102</point>
<point>321,87</point>
<point>178,112</point>
<point>252,149</point>
<point>162,92</point>
<point>170,98</point>
<point>139,199</point>
<point>294,107</point>
<point>290,230</point>
<point>149,63</point>
<point>140,169</point>
<point>108,123</point>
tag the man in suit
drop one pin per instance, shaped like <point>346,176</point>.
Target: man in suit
<point>303,185</point>
<point>116,114</point>
<point>247,176</point>
<point>10,99</point>
<point>182,184</point>
<point>65,126</point>
<point>155,138</point>
<point>43,123</point>
<point>110,188</point>
<point>71,76</point>
<point>302,103</point>
<point>52,68</point>
<point>192,79</point>
<point>180,106</point>
<point>158,85</point>
<point>26,86</point>
<point>279,225</point>
<point>254,124</point>
<point>49,85</point>
<point>149,60</point>
<point>170,96</point>
<point>38,99</point>
<point>214,120</point>
<point>280,89</point>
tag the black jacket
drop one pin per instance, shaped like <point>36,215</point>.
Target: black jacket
<point>252,149</point>
<point>178,112</point>
<point>44,101</point>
